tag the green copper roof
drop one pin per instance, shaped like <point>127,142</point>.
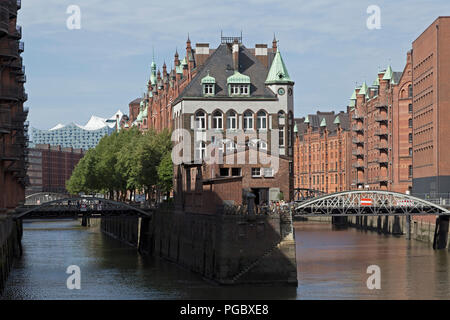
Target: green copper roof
<point>353,95</point>
<point>179,69</point>
<point>337,120</point>
<point>184,61</point>
<point>323,123</point>
<point>388,74</point>
<point>376,82</point>
<point>363,90</point>
<point>238,78</point>
<point>307,119</point>
<point>295,128</point>
<point>139,117</point>
<point>278,72</point>
<point>209,79</point>
<point>352,103</point>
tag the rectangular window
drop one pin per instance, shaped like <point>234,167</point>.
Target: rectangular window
<point>224,172</point>
<point>410,151</point>
<point>410,138</point>
<point>268,172</point>
<point>256,172</point>
<point>236,172</point>
<point>209,89</point>
<point>281,137</point>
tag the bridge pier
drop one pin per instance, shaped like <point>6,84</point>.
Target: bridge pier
<point>396,227</point>
<point>441,233</point>
<point>339,222</point>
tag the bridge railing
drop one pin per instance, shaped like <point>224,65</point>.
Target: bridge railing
<point>442,199</point>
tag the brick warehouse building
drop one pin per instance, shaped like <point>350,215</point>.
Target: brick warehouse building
<point>13,128</point>
<point>381,125</point>
<point>322,154</point>
<point>50,167</point>
<point>230,90</point>
<point>431,109</point>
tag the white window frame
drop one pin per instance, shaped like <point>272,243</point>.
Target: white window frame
<point>256,174</point>
<point>268,172</point>
<point>200,150</point>
<point>248,119</point>
<point>200,120</point>
<point>261,120</point>
<point>217,119</point>
<point>208,89</point>
<point>231,119</point>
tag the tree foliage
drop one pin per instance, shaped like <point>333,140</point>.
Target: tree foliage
<point>125,162</point>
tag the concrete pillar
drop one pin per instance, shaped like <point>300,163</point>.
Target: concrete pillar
<point>408,227</point>
<point>396,228</point>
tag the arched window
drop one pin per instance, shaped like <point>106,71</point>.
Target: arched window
<point>281,118</point>
<point>231,120</point>
<point>217,120</point>
<point>410,123</point>
<point>200,149</point>
<point>261,120</point>
<point>248,120</point>
<point>200,120</point>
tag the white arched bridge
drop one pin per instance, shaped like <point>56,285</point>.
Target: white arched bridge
<point>364,202</point>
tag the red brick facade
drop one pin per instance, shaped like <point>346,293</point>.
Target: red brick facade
<point>13,129</point>
<point>50,167</point>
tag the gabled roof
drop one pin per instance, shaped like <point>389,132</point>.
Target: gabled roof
<point>278,72</point>
<point>208,79</point>
<point>220,66</point>
<point>329,119</point>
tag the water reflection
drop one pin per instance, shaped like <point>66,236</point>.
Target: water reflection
<point>332,264</point>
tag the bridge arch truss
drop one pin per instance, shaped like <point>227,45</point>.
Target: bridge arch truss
<point>365,202</point>
<point>91,206</point>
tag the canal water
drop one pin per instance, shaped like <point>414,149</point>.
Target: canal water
<point>332,264</point>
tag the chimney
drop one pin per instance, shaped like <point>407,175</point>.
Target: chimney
<point>201,53</point>
<point>235,51</point>
<point>261,54</point>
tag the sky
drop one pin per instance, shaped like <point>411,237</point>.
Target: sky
<point>101,67</point>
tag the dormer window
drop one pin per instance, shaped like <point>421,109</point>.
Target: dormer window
<point>209,85</point>
<point>238,84</point>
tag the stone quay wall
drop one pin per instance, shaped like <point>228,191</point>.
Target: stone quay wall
<point>10,246</point>
<point>226,249</point>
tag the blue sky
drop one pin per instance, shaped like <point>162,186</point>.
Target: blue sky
<point>100,68</point>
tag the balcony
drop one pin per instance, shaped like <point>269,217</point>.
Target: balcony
<point>10,49</point>
<point>22,78</point>
<point>381,118</point>
<point>381,132</point>
<point>17,33</point>
<point>358,166</point>
<point>381,146</point>
<point>382,160</point>
<point>11,153</point>
<point>381,106</point>
<point>9,93</point>
<point>358,140</point>
<point>358,116</point>
<point>358,128</point>
<point>4,20</point>
<point>358,153</point>
<point>383,179</point>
